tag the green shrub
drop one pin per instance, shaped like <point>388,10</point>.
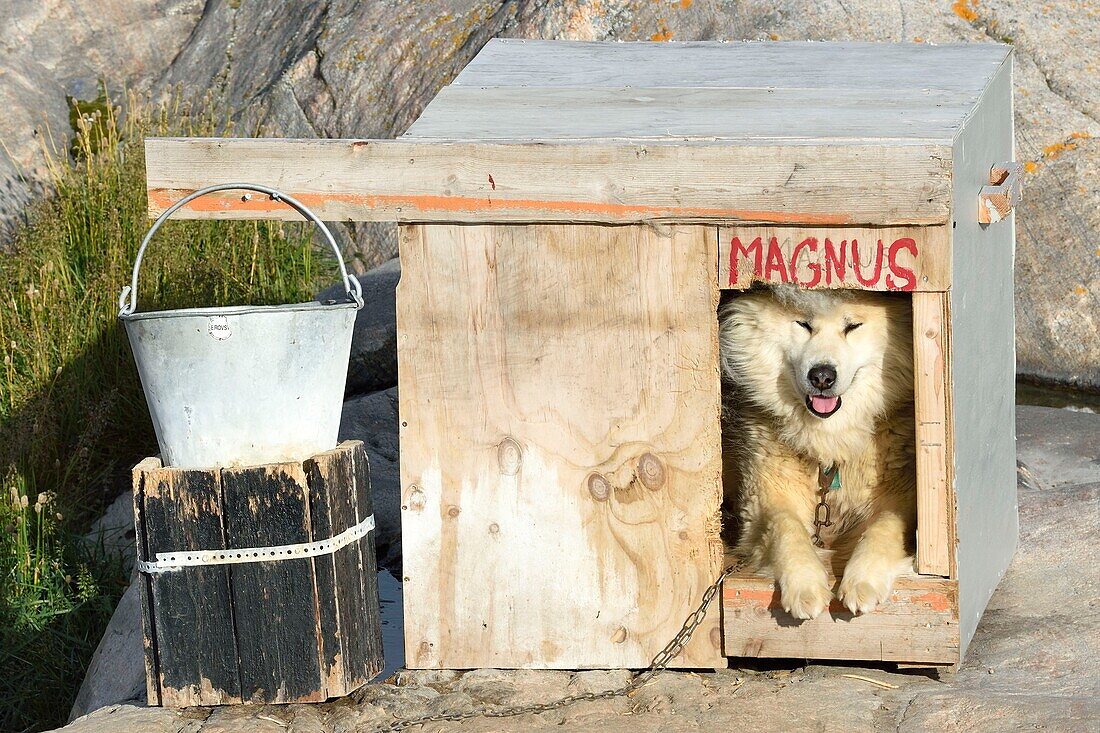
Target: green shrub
<point>73,418</point>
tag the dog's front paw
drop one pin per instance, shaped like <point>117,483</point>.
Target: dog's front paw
<point>865,585</point>
<point>805,592</point>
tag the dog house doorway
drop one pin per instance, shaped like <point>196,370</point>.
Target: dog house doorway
<point>906,262</point>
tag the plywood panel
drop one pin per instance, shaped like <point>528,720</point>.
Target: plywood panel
<point>889,258</point>
<point>919,623</point>
<point>935,498</point>
<point>983,364</point>
<point>560,447</point>
<point>871,67</point>
<point>823,184</point>
<point>654,113</point>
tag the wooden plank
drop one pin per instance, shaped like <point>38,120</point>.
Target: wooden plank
<point>141,552</point>
<point>654,113</point>
<point>889,258</point>
<point>346,580</point>
<point>193,608</point>
<point>275,603</point>
<point>323,477</point>
<point>359,566</point>
<point>983,361</point>
<point>821,184</point>
<point>560,435</point>
<point>1003,193</point>
<point>918,624</point>
<point>872,67</point>
<point>935,504</point>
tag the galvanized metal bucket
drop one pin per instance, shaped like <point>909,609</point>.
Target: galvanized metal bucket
<point>243,385</point>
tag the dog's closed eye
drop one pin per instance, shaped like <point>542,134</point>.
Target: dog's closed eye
<point>851,327</point>
<point>805,325</point>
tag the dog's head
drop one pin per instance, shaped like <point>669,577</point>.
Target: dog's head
<point>821,360</point>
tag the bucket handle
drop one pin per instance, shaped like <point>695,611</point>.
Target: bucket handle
<point>127,299</point>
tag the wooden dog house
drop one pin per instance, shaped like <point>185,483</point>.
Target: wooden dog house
<point>569,213</point>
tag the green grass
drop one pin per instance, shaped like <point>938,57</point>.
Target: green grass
<point>73,418</point>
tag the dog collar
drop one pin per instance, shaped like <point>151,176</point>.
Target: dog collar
<point>828,478</point>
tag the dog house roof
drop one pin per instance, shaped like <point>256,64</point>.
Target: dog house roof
<point>810,133</point>
<point>706,92</point>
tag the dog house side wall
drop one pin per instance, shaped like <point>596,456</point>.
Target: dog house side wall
<point>983,363</point>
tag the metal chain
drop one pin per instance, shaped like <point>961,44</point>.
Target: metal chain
<point>659,663</point>
<point>819,520</point>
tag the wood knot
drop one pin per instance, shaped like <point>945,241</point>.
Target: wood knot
<point>453,511</point>
<point>509,456</point>
<point>716,637</point>
<point>619,636</point>
<point>651,471</point>
<point>494,529</point>
<point>414,499</point>
<point>599,486</point>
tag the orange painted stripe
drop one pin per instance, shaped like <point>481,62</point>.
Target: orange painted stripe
<point>160,199</point>
<point>935,601</point>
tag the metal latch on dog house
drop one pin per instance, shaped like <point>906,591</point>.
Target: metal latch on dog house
<point>996,200</point>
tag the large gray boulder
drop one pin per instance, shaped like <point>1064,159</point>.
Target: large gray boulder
<point>116,672</point>
<point>373,362</point>
<point>350,69</point>
<point>372,418</point>
<point>53,48</point>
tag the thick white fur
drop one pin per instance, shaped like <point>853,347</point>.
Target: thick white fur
<point>775,445</point>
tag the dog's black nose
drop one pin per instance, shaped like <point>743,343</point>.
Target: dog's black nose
<point>822,376</point>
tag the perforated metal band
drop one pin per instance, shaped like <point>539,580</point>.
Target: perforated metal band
<point>171,561</point>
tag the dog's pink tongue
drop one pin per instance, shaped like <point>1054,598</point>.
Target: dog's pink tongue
<point>823,404</point>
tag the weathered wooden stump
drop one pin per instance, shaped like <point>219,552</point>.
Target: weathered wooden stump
<point>223,625</point>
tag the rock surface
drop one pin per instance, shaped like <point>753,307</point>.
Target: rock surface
<point>341,68</point>
<point>116,672</point>
<point>50,49</point>
<point>373,363</point>
<point>1033,664</point>
<point>372,418</point>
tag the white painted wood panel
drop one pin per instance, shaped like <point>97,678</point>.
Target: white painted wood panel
<point>982,399</point>
<point>745,64</point>
<point>646,113</point>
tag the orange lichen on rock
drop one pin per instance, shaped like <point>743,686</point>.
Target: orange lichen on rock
<point>663,33</point>
<point>1031,166</point>
<point>1070,143</point>
<point>966,9</point>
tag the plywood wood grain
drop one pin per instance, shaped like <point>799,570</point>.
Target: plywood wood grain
<point>935,467</point>
<point>919,623</point>
<point>819,184</point>
<point>648,112</point>
<point>847,66</point>
<point>560,447</point>
<point>902,259</point>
